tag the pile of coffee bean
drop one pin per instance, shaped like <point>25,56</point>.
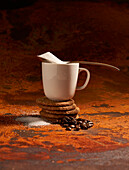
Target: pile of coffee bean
<point>71,123</point>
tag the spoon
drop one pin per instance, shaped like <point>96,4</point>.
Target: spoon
<point>50,58</point>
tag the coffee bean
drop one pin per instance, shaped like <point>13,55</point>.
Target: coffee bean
<point>70,122</point>
<point>68,128</point>
<point>90,124</point>
<point>84,126</point>
<point>84,120</point>
<point>77,127</point>
<point>79,122</point>
<point>72,126</point>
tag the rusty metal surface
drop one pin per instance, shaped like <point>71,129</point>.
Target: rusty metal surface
<point>105,145</point>
<point>105,101</point>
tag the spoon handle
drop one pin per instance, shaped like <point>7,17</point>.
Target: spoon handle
<point>95,63</point>
<point>83,62</point>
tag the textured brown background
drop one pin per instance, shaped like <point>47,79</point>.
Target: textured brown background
<point>72,30</point>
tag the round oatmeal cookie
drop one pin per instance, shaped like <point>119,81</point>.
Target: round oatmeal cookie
<point>55,116</point>
<point>62,112</point>
<point>46,102</point>
<point>54,120</point>
<point>58,108</point>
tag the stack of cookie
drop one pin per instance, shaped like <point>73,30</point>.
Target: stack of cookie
<point>55,110</point>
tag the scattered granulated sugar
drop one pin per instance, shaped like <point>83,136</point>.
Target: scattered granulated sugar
<point>32,121</point>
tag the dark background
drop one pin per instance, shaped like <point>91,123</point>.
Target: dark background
<point>71,30</point>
